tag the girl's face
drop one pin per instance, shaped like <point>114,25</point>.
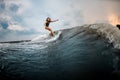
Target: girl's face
<point>48,19</point>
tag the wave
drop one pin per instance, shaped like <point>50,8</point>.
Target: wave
<point>75,51</point>
<point>105,30</point>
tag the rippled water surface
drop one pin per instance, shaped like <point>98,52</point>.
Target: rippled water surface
<point>75,55</point>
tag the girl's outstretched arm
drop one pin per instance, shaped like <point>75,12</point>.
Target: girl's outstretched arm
<point>54,20</point>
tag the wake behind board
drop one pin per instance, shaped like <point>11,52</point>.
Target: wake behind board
<point>47,37</point>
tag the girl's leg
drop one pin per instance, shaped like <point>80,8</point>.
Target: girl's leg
<point>52,33</point>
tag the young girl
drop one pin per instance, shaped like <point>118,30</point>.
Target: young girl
<point>48,21</point>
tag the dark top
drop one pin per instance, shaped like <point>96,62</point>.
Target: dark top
<point>47,23</point>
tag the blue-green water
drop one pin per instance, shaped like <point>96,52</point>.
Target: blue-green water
<point>75,55</point>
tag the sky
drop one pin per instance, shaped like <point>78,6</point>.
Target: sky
<point>24,19</point>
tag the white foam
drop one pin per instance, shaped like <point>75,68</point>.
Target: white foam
<point>40,38</point>
<point>46,38</point>
<point>112,33</point>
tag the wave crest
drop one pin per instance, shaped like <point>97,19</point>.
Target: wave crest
<point>108,31</point>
